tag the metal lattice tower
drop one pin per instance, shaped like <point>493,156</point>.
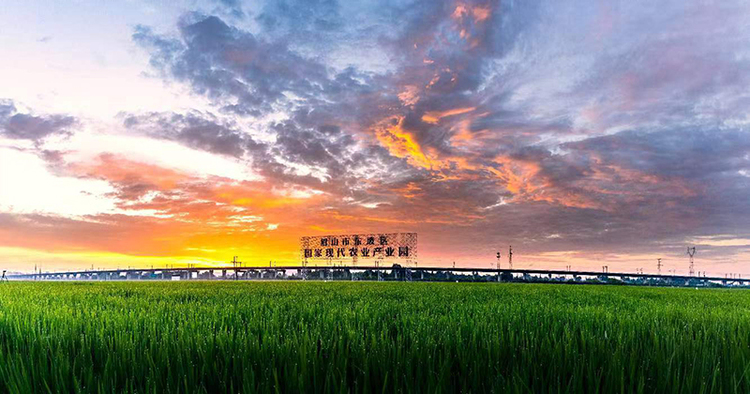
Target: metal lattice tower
<point>658,265</point>
<point>510,257</point>
<point>691,253</point>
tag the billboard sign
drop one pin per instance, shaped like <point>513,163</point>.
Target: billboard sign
<point>376,248</point>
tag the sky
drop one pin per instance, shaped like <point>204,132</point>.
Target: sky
<point>584,133</point>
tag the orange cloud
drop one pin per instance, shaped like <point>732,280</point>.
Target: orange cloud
<point>401,143</point>
<point>116,169</point>
<point>523,179</point>
<point>171,215</point>
<point>606,186</point>
<point>435,116</point>
<point>612,179</point>
<point>481,13</point>
<point>411,190</point>
<point>391,220</point>
<point>478,13</point>
<point>519,177</point>
<point>409,95</point>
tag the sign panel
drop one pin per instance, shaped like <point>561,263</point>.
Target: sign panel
<point>380,248</point>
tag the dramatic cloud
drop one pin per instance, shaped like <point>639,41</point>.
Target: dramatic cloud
<point>567,128</point>
<point>193,130</point>
<point>497,107</point>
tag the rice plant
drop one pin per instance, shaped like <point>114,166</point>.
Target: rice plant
<point>208,337</point>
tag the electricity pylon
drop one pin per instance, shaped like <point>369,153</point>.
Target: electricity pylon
<point>691,253</point>
<point>510,257</point>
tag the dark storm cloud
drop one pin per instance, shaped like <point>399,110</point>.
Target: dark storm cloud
<point>17,125</point>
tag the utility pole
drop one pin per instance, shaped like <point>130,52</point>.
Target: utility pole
<point>658,266</point>
<point>691,253</point>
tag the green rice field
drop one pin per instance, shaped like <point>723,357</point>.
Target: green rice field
<point>209,337</point>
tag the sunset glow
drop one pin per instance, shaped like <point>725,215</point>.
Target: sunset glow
<point>146,133</point>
